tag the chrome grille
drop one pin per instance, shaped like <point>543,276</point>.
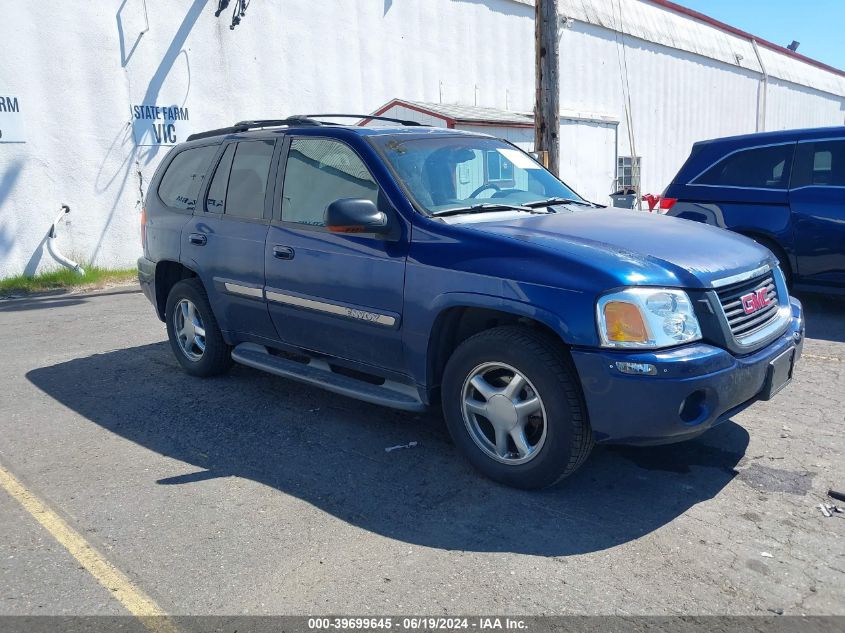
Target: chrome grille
<point>741,324</point>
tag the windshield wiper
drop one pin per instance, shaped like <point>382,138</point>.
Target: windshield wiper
<point>552,201</point>
<point>483,208</point>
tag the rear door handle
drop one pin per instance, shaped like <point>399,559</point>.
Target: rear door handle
<point>282,252</point>
<point>198,238</point>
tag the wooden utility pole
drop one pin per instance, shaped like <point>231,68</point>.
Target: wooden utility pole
<point>547,87</point>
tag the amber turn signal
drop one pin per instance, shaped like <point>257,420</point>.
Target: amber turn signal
<point>624,323</point>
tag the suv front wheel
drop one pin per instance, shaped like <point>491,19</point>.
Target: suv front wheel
<point>512,406</point>
<point>193,331</point>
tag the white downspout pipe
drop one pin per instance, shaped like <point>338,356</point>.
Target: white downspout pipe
<point>53,248</point>
<point>762,91</point>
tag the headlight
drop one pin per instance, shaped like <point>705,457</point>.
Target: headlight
<point>646,318</point>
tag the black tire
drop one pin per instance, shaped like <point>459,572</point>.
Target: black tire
<point>216,358</point>
<point>544,363</point>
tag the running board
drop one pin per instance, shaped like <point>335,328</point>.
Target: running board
<point>317,372</point>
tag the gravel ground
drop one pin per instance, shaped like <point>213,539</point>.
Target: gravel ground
<point>250,494</point>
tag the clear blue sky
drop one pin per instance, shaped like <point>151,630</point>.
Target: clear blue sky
<point>817,24</point>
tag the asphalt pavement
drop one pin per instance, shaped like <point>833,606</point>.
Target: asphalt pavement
<point>251,494</point>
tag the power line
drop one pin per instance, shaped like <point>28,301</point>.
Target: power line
<point>626,96</point>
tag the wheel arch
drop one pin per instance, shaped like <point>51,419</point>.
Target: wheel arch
<point>457,321</point>
<point>773,244</point>
<point>167,274</point>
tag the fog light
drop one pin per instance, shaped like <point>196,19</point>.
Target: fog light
<point>640,369</point>
<point>693,409</point>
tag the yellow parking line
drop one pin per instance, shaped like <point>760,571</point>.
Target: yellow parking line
<point>127,593</point>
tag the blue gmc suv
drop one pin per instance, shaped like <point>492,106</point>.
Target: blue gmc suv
<point>786,190</point>
<point>410,266</point>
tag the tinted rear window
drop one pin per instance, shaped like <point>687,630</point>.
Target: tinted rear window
<point>760,168</point>
<point>182,181</point>
<point>248,179</point>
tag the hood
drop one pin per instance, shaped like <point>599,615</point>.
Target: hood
<point>635,247</point>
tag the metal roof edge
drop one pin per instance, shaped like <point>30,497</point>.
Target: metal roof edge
<point>577,115</point>
<point>723,27</point>
<point>570,115</point>
<point>672,6</point>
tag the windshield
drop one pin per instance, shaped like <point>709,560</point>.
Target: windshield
<point>452,172</point>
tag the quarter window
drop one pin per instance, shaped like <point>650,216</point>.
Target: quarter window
<point>759,168</point>
<point>318,172</point>
<point>821,164</point>
<point>216,198</point>
<point>181,183</point>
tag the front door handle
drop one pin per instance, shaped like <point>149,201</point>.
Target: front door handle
<point>198,238</point>
<point>282,252</point>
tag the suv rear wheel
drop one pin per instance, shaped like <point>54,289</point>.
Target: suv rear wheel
<point>193,331</point>
<point>512,406</point>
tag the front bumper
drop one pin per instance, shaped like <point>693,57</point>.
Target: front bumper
<point>695,387</point>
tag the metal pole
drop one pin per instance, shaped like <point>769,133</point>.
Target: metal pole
<point>547,85</point>
<point>762,91</point>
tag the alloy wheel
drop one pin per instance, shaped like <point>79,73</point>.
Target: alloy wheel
<point>504,413</point>
<point>189,329</point>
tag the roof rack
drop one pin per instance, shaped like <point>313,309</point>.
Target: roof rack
<point>244,126</point>
<point>298,120</point>
<point>367,117</point>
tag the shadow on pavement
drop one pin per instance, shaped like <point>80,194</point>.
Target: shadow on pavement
<point>825,316</point>
<point>56,299</point>
<point>330,452</point>
<point>22,305</point>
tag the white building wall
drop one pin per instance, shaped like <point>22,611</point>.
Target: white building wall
<point>587,158</point>
<point>676,97</point>
<point>76,70</point>
<point>789,106</point>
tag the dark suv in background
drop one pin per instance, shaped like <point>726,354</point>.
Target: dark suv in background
<point>786,190</point>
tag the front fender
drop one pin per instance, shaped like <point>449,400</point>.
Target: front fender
<point>449,300</point>
<point>430,292</point>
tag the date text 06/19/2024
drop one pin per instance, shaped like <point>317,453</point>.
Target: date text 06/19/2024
<point>427,623</point>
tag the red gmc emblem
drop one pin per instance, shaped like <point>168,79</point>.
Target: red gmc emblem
<point>756,300</point>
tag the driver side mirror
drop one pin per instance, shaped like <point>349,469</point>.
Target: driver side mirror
<point>356,215</point>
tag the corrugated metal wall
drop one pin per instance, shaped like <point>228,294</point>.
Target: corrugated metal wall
<point>76,70</point>
<point>676,97</point>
